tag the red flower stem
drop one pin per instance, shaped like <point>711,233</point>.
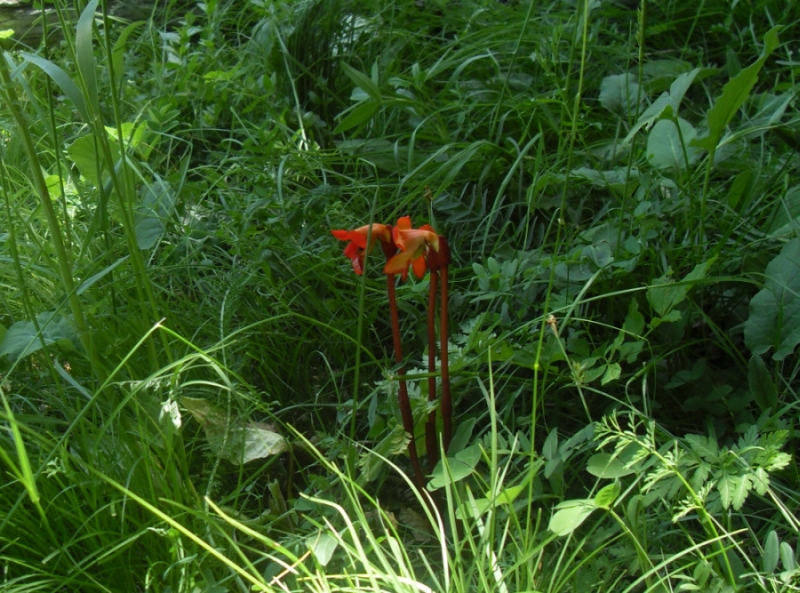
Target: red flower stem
<point>405,403</point>
<point>447,402</point>
<point>431,440</point>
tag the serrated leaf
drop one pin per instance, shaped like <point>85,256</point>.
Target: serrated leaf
<point>741,488</point>
<point>570,515</point>
<point>669,148</point>
<point>774,320</point>
<point>705,446</point>
<point>778,461</point>
<point>371,462</point>
<point>761,481</point>
<point>725,487</point>
<point>761,385</point>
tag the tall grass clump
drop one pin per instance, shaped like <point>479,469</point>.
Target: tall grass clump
<point>199,395</point>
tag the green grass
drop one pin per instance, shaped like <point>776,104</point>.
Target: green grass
<point>622,298</point>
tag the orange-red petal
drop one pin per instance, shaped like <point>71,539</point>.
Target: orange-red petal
<point>418,265</point>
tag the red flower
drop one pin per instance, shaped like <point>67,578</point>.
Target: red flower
<point>413,244</point>
<point>358,242</point>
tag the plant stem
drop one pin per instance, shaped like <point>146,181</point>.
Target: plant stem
<point>431,441</point>
<point>62,257</point>
<point>447,402</point>
<point>405,403</point>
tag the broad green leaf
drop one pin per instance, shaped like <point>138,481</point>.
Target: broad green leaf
<point>322,545</point>
<point>550,447</point>
<point>665,145</point>
<point>471,455</point>
<point>471,509</point>
<point>458,468</point>
<point>774,320</point>
<point>462,436</point>
<point>667,105</point>
<point>364,82</point>
<point>769,559</point>
<point>509,495</point>
<point>734,94</point>
<point>661,107</point>
<point>22,339</point>
<point>607,495</point>
<point>634,321</point>
<point>664,295</point>
<point>118,51</point>
<point>570,515</point>
<point>132,133</point>
<point>741,187</point>
<point>604,465</point>
<point>84,53</point>
<point>619,93</point>
<point>156,206</point>
<point>761,385</point>
<point>620,181</point>
<point>786,220</point>
<point>53,183</point>
<point>787,556</point>
<point>679,87</point>
<point>611,373</point>
<point>83,153</point>
<point>478,506</point>
<point>359,114</point>
<point>63,81</point>
<point>232,440</point>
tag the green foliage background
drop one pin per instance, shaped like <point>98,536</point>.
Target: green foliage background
<point>199,395</point>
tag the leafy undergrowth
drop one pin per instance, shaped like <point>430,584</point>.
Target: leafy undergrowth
<point>200,396</point>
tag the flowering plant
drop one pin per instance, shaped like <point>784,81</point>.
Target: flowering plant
<point>422,250</point>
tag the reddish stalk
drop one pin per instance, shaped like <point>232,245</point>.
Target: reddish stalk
<point>431,439</point>
<point>402,396</point>
<point>443,258</point>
